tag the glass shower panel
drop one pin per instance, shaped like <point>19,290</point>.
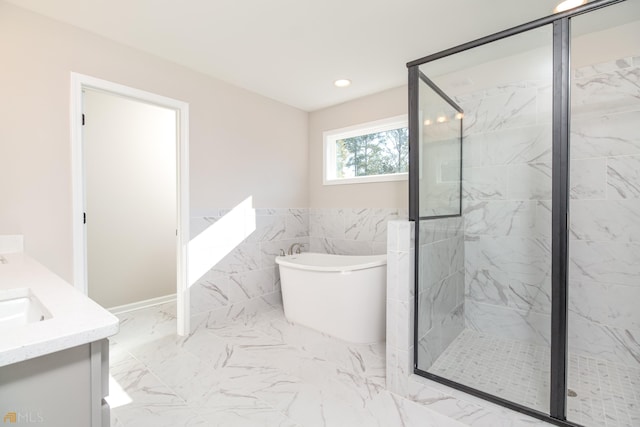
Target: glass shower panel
<point>604,241</point>
<point>440,152</point>
<point>484,278</point>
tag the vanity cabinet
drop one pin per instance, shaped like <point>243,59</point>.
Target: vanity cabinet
<point>66,388</point>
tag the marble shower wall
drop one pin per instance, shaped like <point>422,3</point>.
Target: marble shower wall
<point>247,281</point>
<point>604,269</point>
<point>441,287</point>
<point>351,231</point>
<point>506,204</point>
<point>467,409</point>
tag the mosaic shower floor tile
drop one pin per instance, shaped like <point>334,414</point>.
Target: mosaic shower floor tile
<point>601,394</point>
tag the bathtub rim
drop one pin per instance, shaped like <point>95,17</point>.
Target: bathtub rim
<point>357,262</point>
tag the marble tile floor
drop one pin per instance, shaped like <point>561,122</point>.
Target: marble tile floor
<point>258,371</point>
<point>606,394</point>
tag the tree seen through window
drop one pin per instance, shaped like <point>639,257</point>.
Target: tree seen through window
<point>379,153</point>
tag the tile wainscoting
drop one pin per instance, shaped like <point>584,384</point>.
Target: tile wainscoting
<point>361,231</point>
<point>247,281</point>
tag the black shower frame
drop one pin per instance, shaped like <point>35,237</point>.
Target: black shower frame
<point>560,203</point>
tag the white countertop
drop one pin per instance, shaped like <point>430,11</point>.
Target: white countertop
<point>75,320</point>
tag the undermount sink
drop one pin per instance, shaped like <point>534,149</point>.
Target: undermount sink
<point>19,307</point>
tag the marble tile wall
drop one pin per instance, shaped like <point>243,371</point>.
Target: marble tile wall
<point>400,379</point>
<point>351,231</point>
<point>506,209</point>
<point>247,281</point>
<point>441,287</point>
<point>507,212</point>
<point>604,269</point>
<point>400,304</point>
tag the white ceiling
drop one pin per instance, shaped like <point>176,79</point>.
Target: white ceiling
<point>293,50</point>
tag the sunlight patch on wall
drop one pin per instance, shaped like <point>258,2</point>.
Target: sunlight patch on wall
<point>220,238</point>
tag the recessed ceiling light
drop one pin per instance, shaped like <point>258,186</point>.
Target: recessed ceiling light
<point>342,83</point>
<point>441,119</point>
<point>568,4</point>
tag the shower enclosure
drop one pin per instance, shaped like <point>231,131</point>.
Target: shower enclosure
<point>525,190</point>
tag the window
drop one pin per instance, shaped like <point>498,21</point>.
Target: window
<point>370,152</point>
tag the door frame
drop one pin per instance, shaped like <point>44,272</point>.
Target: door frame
<point>80,82</point>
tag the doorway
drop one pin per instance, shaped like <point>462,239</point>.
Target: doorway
<point>130,196</point>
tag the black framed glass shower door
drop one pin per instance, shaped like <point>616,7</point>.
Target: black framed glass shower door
<point>492,298</point>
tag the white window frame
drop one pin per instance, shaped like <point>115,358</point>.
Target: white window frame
<point>329,150</point>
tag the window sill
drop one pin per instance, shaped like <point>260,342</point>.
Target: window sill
<point>367,179</point>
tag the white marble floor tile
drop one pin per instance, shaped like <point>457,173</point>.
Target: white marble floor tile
<point>284,331</point>
<point>115,422</point>
<point>152,415</point>
<point>312,405</point>
<point>200,344</point>
<point>142,386</point>
<point>391,410</point>
<point>256,371</point>
<point>248,417</point>
<point>242,335</point>
<point>152,403</point>
<point>146,325</point>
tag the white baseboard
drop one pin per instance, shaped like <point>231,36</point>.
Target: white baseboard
<point>142,304</point>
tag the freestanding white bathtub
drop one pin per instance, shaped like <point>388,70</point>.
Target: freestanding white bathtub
<point>343,296</point>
